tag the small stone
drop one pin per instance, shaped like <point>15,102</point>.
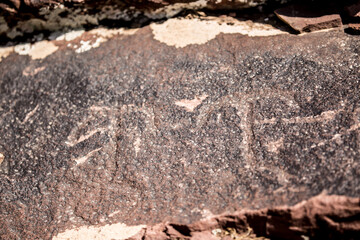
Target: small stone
<point>307,19</point>
<point>2,157</point>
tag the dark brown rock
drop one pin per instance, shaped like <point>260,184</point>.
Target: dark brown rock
<point>139,132</point>
<point>306,18</point>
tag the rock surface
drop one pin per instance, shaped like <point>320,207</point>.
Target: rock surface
<point>126,127</point>
<point>307,18</point>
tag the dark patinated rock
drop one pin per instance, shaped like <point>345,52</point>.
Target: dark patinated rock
<point>139,132</point>
<point>307,18</point>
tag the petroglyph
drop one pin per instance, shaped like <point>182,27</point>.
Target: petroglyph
<point>72,141</point>
<point>30,114</point>
<point>190,105</point>
<point>98,126</point>
<point>323,117</point>
<point>83,159</point>
<point>244,105</point>
<point>103,124</point>
<point>337,137</point>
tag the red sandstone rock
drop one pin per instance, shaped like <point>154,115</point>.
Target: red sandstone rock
<point>307,18</point>
<point>321,217</point>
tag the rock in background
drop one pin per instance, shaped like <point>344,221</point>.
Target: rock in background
<point>21,18</point>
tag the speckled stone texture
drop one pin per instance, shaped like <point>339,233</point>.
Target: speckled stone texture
<point>139,132</point>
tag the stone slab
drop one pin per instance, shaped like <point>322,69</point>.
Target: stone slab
<point>307,18</point>
<point>131,130</point>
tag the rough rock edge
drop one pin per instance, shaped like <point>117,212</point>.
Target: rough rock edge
<point>321,217</point>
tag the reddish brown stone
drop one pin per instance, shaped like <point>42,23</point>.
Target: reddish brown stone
<point>321,217</point>
<point>307,18</point>
<point>353,28</point>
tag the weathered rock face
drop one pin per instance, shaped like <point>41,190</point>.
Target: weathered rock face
<point>137,131</point>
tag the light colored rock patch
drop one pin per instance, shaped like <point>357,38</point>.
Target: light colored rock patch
<point>108,33</point>
<point>137,144</point>
<point>69,36</point>
<point>100,35</point>
<point>38,50</point>
<point>2,157</point>
<point>5,51</point>
<point>275,146</point>
<point>87,45</point>
<point>190,105</point>
<point>183,32</point>
<point>83,159</point>
<point>114,231</point>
